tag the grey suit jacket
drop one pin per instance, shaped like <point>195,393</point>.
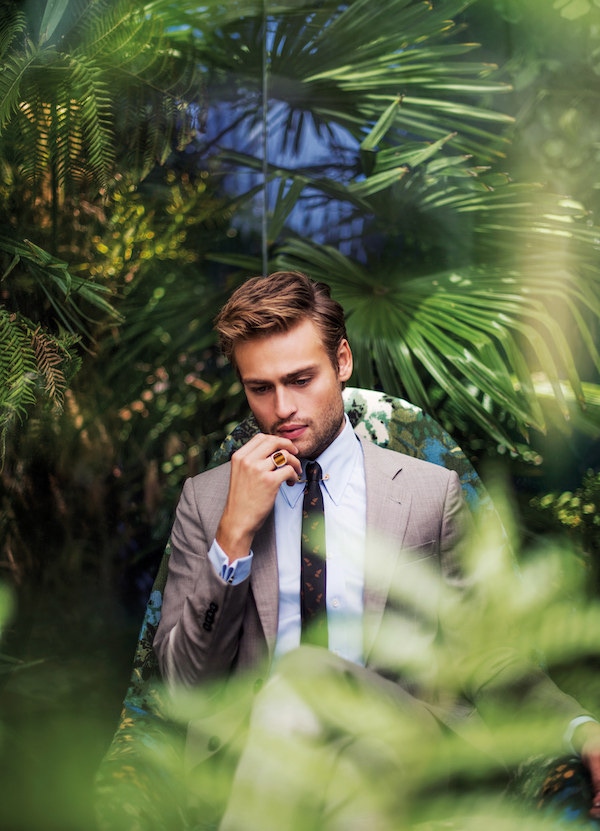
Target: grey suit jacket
<point>209,629</point>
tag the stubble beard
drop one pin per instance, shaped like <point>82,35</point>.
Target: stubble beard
<point>322,435</point>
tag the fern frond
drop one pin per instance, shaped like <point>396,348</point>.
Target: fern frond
<point>33,150</point>
<point>94,115</point>
<point>13,25</point>
<point>112,29</point>
<point>99,71</point>
<point>34,366</point>
<point>50,356</point>
<point>153,80</point>
<point>14,70</point>
<point>18,370</point>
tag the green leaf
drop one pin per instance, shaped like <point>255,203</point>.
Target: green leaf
<point>382,126</point>
<point>53,14</point>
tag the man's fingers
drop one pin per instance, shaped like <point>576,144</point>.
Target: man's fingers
<point>264,445</point>
<point>264,450</point>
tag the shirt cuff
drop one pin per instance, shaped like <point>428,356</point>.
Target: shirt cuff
<point>573,725</point>
<point>232,573</point>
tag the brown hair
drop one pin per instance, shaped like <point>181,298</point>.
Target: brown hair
<point>265,305</point>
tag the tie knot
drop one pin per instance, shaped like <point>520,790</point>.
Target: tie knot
<point>313,472</point>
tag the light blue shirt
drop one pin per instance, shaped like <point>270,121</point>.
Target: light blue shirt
<point>344,499</point>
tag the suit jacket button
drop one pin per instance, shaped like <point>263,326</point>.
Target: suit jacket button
<point>214,743</point>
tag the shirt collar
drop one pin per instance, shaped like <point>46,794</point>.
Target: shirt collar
<point>337,463</point>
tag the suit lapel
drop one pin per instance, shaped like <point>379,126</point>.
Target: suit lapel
<point>388,510</point>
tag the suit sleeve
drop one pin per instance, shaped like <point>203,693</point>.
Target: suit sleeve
<point>502,674</point>
<point>201,619</point>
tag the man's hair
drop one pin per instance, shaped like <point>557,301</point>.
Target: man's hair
<point>266,305</point>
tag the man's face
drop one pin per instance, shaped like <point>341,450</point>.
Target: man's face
<point>292,387</point>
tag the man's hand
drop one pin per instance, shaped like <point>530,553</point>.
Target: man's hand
<point>252,490</point>
<point>586,741</point>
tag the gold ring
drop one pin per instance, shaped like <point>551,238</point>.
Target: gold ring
<point>279,459</point>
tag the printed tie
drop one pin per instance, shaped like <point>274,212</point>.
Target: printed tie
<point>312,571</point>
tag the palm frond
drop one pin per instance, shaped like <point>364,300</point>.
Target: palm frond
<point>344,65</point>
<point>466,330</point>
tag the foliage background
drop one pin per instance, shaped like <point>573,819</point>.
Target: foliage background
<point>450,197</point>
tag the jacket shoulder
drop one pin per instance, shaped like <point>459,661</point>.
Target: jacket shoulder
<point>210,485</point>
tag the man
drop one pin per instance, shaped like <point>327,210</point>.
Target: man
<point>234,600</point>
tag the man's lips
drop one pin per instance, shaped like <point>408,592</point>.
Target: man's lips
<point>292,431</point>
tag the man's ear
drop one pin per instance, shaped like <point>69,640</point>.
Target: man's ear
<point>345,362</point>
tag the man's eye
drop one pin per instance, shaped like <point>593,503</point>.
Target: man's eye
<point>259,390</point>
<point>301,382</point>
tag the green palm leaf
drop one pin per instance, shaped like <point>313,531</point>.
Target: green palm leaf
<point>344,65</point>
<point>467,331</point>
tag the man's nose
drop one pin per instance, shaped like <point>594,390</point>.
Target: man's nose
<point>284,403</point>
